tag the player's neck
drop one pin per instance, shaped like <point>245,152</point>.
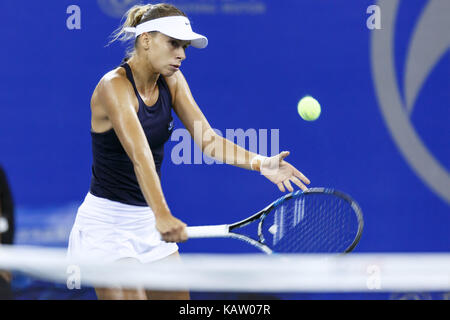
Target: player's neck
<point>144,75</point>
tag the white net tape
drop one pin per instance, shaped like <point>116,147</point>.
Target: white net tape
<point>355,272</point>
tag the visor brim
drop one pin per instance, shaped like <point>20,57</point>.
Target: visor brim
<point>197,40</point>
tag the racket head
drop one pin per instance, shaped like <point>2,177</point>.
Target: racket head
<point>318,220</point>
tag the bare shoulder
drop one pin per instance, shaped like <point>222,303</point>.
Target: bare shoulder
<point>114,85</point>
<point>113,90</point>
<point>112,82</point>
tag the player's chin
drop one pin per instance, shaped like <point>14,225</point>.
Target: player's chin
<point>170,71</point>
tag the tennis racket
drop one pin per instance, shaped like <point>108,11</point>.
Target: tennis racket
<point>318,220</point>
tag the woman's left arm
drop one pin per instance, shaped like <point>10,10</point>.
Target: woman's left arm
<point>275,168</point>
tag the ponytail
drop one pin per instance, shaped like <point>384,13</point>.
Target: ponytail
<point>133,17</point>
<point>139,14</point>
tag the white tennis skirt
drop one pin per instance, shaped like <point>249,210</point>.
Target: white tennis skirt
<point>108,231</point>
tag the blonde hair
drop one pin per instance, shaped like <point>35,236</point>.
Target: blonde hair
<point>139,14</point>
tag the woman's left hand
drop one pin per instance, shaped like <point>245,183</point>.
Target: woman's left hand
<point>283,173</point>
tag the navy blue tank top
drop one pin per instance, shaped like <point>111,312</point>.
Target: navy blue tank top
<point>113,175</point>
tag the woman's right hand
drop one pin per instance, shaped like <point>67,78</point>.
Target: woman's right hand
<point>171,229</point>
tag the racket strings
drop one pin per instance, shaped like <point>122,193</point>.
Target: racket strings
<point>313,223</point>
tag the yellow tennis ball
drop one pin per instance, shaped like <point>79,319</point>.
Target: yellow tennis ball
<point>309,108</point>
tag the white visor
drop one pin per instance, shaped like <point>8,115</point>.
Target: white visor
<point>177,27</point>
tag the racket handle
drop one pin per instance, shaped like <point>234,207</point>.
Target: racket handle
<point>208,231</point>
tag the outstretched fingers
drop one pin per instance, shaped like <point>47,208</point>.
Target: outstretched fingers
<point>286,184</point>
<point>301,176</point>
<point>299,183</point>
<point>281,187</point>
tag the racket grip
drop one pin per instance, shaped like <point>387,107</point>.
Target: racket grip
<point>208,231</point>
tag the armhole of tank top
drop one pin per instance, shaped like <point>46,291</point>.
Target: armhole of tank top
<point>130,78</point>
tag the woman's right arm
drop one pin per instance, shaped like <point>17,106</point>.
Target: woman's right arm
<point>114,95</point>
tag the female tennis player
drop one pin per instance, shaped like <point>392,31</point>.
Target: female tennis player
<point>125,214</point>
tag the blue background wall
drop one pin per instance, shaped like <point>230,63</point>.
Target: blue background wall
<point>260,61</point>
